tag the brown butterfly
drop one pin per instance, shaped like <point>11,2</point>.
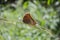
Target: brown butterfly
<point>28,19</point>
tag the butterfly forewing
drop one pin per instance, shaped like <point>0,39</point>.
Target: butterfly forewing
<point>28,19</point>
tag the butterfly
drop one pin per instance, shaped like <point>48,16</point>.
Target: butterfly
<point>28,19</point>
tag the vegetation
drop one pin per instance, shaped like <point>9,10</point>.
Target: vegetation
<point>46,13</point>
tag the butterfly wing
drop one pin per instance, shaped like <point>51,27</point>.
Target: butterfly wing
<point>28,19</point>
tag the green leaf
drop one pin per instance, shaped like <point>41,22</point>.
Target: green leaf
<point>25,5</point>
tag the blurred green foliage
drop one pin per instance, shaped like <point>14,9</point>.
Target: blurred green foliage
<point>13,28</point>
